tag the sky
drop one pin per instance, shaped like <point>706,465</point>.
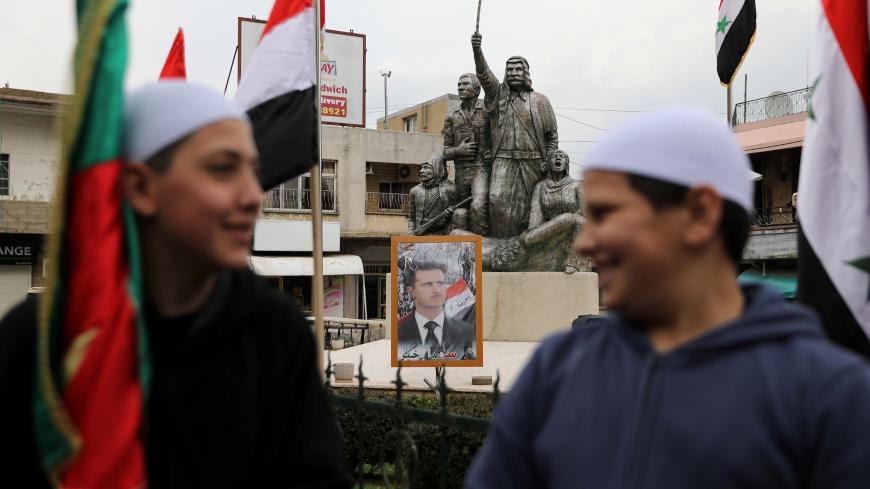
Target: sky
<point>598,62</point>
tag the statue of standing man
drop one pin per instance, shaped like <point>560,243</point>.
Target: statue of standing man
<point>466,142</point>
<point>523,134</point>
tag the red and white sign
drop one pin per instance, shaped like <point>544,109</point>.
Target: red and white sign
<point>342,71</point>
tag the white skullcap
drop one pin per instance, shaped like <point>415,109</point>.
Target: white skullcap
<point>163,112</point>
<point>683,146</point>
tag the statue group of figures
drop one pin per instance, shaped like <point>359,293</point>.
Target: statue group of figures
<point>511,182</point>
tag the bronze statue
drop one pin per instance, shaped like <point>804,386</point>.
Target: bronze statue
<point>466,142</point>
<point>523,134</point>
<point>435,198</point>
<point>557,205</point>
<point>557,194</point>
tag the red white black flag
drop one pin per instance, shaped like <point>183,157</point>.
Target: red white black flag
<point>834,184</point>
<point>278,91</point>
<point>735,30</point>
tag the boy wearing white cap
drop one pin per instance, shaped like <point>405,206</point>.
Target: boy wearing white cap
<point>235,398</point>
<point>692,381</point>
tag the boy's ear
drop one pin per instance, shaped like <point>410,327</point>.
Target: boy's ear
<point>705,207</point>
<point>139,187</point>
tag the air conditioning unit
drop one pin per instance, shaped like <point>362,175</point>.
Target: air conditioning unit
<point>370,168</point>
<point>406,174</point>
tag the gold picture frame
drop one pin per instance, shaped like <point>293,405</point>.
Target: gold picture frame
<point>450,287</point>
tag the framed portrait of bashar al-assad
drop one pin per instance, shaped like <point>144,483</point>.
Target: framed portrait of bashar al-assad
<point>436,315</point>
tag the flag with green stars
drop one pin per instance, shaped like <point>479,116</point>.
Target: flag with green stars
<point>735,30</point>
<point>834,184</point>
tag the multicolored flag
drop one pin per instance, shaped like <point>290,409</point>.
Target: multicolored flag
<point>92,369</point>
<point>460,301</point>
<point>735,30</point>
<point>834,186</point>
<point>174,66</point>
<point>278,91</point>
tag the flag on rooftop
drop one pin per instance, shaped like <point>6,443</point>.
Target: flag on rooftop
<point>92,370</point>
<point>735,30</point>
<point>174,67</point>
<point>278,91</point>
<point>834,185</point>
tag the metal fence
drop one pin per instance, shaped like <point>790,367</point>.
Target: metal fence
<point>294,199</point>
<point>773,216</point>
<point>398,449</point>
<point>772,106</point>
<point>383,203</point>
<point>352,332</point>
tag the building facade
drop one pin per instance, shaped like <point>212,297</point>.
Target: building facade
<point>29,155</point>
<point>771,131</point>
<point>367,176</point>
<point>427,117</point>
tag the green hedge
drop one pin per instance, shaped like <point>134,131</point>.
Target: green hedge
<point>365,432</point>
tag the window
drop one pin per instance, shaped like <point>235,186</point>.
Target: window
<point>393,196</point>
<point>411,123</point>
<point>295,194</point>
<point>4,174</point>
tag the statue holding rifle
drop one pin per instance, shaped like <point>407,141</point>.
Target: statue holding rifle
<point>433,203</point>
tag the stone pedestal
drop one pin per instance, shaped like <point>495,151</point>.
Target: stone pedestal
<point>528,306</point>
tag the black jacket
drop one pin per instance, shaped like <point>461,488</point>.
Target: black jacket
<point>235,399</point>
<point>458,337</point>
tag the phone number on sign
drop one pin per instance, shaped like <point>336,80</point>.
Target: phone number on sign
<point>334,111</point>
<point>333,106</point>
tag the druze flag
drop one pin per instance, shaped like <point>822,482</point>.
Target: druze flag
<point>735,29</point>
<point>92,365</point>
<point>278,92</point>
<point>834,186</point>
<point>174,67</point>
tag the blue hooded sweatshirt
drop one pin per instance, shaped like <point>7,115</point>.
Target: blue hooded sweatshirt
<point>763,402</point>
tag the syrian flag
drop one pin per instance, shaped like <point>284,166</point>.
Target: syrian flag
<point>278,91</point>
<point>834,184</point>
<point>174,66</point>
<point>460,301</point>
<point>92,365</point>
<point>735,30</point>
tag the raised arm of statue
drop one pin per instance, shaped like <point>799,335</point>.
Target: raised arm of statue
<point>488,80</point>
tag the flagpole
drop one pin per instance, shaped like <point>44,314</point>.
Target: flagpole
<point>728,112</point>
<point>317,207</point>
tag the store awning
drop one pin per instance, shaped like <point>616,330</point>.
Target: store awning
<point>786,285</point>
<point>292,266</point>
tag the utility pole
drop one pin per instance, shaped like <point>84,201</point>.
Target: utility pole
<point>385,74</point>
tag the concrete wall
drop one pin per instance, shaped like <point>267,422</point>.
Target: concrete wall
<point>33,147</point>
<point>352,148</point>
<point>430,115</point>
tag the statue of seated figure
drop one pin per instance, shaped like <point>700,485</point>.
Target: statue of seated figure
<point>556,207</point>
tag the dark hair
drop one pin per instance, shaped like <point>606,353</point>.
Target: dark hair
<point>411,271</point>
<point>734,225</point>
<point>162,159</point>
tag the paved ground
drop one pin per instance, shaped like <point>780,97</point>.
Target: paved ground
<point>506,357</point>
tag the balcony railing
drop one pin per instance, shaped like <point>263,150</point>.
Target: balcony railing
<point>773,216</point>
<point>379,203</point>
<point>293,199</point>
<point>777,105</point>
